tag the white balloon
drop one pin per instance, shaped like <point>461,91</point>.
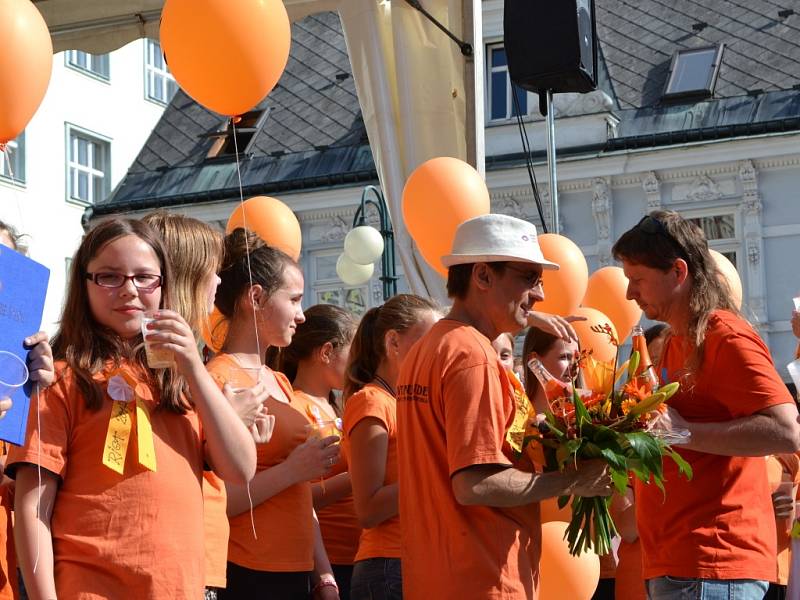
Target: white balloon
<point>351,273</point>
<point>363,245</point>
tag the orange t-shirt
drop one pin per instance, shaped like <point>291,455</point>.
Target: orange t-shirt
<point>141,531</point>
<point>216,529</point>
<point>781,468</point>
<point>337,522</point>
<point>284,523</point>
<point>454,406</point>
<point>719,525</point>
<point>383,540</point>
<point>629,583</point>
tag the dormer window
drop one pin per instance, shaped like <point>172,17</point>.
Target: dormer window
<point>693,73</point>
<point>248,127</point>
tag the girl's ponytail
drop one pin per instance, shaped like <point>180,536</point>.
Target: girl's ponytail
<point>366,353</point>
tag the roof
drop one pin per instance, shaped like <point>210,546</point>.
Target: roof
<point>314,135</point>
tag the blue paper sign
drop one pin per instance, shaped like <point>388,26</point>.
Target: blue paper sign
<point>23,287</point>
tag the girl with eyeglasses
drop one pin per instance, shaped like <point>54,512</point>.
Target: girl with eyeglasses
<point>108,490</point>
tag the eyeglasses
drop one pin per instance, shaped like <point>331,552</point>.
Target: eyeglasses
<point>532,278</point>
<point>143,281</point>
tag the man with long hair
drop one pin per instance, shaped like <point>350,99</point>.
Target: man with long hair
<point>713,536</point>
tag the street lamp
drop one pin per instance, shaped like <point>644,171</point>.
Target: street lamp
<point>363,245</point>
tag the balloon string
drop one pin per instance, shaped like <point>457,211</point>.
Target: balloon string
<point>250,278</point>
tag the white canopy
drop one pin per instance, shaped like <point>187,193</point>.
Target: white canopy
<point>419,95</point>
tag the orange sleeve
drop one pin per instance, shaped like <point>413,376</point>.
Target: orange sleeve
<point>362,405</point>
<point>48,434</point>
<point>751,382</point>
<point>474,417</point>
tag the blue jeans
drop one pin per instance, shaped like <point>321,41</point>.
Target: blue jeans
<point>377,579</point>
<point>681,588</point>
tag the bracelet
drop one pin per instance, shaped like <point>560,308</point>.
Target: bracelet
<point>323,583</point>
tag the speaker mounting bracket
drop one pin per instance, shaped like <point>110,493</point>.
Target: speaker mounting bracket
<point>466,47</point>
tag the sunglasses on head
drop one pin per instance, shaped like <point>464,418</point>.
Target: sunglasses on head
<point>652,226</point>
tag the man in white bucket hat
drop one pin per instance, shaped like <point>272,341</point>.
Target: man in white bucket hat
<point>469,519</point>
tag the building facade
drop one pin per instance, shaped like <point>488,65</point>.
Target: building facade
<point>97,113</point>
<point>719,144</point>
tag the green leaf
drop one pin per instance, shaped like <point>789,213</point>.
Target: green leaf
<point>563,501</point>
<point>567,450</point>
<point>581,414</point>
<point>684,468</point>
<point>647,449</point>
<point>617,461</point>
<point>633,364</point>
<point>620,479</point>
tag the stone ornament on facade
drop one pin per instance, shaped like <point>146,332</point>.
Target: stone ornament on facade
<point>704,189</point>
<point>602,212</point>
<point>753,251</point>
<point>652,191</point>
<point>751,198</point>
<point>335,231</point>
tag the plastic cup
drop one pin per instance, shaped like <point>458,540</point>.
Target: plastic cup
<point>13,373</point>
<point>157,358</point>
<point>794,372</point>
<point>243,378</point>
<point>323,429</point>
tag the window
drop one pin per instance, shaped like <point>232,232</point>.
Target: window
<point>328,289</point>
<point>12,161</point>
<point>501,102</point>
<point>94,64</point>
<point>693,72</point>
<point>159,83</point>
<point>247,129</point>
<point>720,231</point>
<point>88,159</point>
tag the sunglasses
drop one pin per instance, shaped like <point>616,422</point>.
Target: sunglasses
<point>532,278</point>
<point>652,226</point>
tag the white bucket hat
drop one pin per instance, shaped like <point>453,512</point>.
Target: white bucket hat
<point>496,238</point>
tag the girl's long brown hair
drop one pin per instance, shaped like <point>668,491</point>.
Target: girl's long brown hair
<point>86,345</point>
<point>266,263</point>
<point>324,323</point>
<point>540,342</point>
<point>194,249</point>
<point>400,313</point>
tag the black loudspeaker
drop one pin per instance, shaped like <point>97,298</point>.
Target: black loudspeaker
<point>551,44</point>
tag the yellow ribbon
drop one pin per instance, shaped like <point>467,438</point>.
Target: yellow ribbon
<point>122,388</point>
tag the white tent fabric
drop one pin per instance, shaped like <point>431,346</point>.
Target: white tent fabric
<point>410,82</point>
<point>419,96</point>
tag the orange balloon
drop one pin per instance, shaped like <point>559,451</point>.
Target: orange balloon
<point>562,575</point>
<point>26,60</point>
<point>226,55</point>
<point>549,511</point>
<point>606,292</point>
<point>439,195</point>
<point>728,271</point>
<point>215,330</point>
<point>272,220</point>
<point>599,343</point>
<point>563,289</point>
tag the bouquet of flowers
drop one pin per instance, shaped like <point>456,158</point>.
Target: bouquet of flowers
<point>608,419</point>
